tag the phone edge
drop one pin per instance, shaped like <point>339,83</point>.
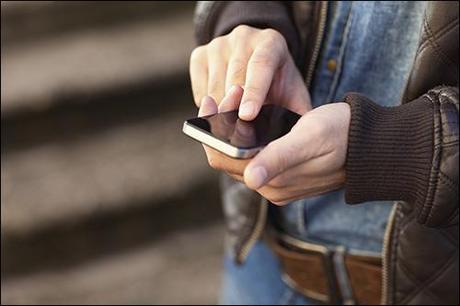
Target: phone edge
<point>219,145</point>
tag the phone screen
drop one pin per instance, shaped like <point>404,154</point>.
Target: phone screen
<point>271,123</point>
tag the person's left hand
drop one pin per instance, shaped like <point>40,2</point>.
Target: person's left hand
<point>308,161</point>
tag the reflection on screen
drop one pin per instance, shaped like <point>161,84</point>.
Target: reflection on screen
<point>271,123</point>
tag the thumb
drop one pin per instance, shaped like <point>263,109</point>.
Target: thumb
<point>274,159</point>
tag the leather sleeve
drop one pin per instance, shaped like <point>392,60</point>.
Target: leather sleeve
<point>408,152</point>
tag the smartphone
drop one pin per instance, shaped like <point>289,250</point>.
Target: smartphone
<point>237,138</point>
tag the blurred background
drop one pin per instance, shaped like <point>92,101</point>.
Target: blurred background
<point>103,200</point>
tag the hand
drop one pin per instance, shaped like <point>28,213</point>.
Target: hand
<point>257,60</point>
<point>308,161</point>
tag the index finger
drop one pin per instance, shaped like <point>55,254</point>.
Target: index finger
<point>264,62</point>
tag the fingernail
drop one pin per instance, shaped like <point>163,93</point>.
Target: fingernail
<point>246,110</point>
<point>257,177</point>
<point>231,90</point>
<point>222,105</point>
<point>205,100</point>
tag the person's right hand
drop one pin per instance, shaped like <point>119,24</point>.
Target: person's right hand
<point>257,60</point>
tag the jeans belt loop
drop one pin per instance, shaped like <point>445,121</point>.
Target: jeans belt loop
<point>342,276</point>
<point>326,254</point>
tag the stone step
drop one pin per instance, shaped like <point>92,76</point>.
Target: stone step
<point>181,268</point>
<point>103,199</point>
<point>36,20</point>
<point>38,75</point>
<point>101,177</point>
<point>91,168</point>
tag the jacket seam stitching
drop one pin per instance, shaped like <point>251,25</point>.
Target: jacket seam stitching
<point>426,207</point>
<point>453,216</point>
<point>448,182</point>
<point>436,46</point>
<point>447,236</point>
<point>446,29</point>
<point>416,282</point>
<point>431,279</point>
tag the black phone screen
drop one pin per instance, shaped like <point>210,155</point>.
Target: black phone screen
<point>272,122</point>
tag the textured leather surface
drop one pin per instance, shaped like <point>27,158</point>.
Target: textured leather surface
<point>425,262</point>
<point>436,62</point>
<point>424,259</point>
<point>440,207</point>
<point>424,256</point>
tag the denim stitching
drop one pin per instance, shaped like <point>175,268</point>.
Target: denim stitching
<point>338,71</point>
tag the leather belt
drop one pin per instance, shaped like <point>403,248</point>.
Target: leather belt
<point>331,276</point>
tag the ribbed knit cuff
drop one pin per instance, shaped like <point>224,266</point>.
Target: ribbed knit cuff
<point>389,150</point>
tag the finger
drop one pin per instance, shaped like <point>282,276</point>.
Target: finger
<point>265,60</point>
<point>278,156</point>
<point>307,174</point>
<point>309,187</point>
<point>220,161</point>
<point>199,74</point>
<point>291,91</point>
<point>217,69</point>
<point>236,177</point>
<point>232,100</point>
<point>279,196</point>
<point>236,72</point>
<point>208,107</point>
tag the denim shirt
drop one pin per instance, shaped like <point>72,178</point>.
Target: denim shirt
<point>369,47</point>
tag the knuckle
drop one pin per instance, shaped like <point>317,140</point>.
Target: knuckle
<point>216,44</point>
<point>197,53</point>
<point>274,38</point>
<point>278,182</point>
<point>281,158</point>
<point>282,161</point>
<point>252,91</point>
<point>264,58</point>
<point>271,34</point>
<point>241,30</point>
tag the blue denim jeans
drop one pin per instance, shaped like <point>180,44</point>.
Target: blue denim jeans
<point>373,45</point>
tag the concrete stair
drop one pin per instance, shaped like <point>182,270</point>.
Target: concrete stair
<point>156,274</point>
<point>103,199</point>
<point>40,73</point>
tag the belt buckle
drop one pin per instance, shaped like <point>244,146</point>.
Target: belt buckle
<point>333,293</point>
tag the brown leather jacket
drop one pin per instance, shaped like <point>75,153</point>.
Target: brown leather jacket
<point>420,260</point>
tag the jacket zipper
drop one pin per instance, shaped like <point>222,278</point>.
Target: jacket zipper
<point>262,215</point>
<point>318,41</point>
<point>261,219</point>
<point>386,281</point>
